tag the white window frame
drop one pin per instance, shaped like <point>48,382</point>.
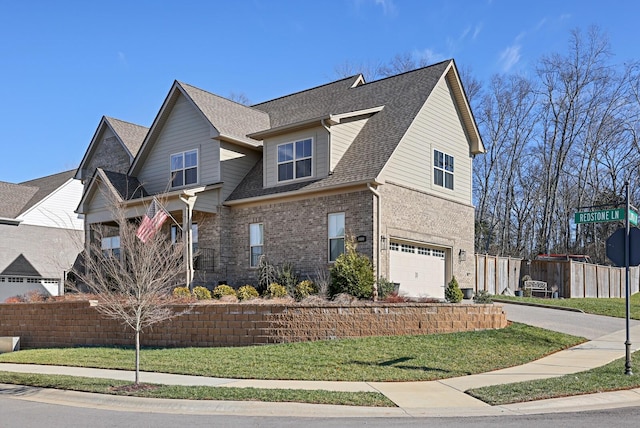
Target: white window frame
<point>183,169</point>
<point>335,235</point>
<point>256,241</point>
<point>294,160</point>
<point>110,246</point>
<point>446,168</point>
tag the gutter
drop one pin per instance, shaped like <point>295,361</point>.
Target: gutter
<point>10,221</point>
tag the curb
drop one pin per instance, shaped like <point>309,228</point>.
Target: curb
<point>536,305</point>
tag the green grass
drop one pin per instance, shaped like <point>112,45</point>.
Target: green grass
<point>114,387</point>
<point>396,358</point>
<point>606,378</point>
<point>614,307</point>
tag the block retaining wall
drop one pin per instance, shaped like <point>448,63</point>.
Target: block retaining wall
<point>68,324</point>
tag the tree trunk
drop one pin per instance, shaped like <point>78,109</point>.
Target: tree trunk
<point>137,381</point>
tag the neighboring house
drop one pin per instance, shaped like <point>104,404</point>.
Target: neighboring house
<point>41,235</point>
<point>387,162</point>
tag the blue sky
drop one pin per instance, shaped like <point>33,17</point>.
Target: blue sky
<point>64,64</point>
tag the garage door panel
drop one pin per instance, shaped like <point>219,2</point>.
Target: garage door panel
<point>419,270</point>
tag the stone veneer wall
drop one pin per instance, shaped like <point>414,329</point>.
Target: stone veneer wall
<point>67,324</point>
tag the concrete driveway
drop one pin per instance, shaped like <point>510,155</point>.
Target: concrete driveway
<point>568,322</point>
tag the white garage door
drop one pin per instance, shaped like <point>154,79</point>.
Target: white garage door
<point>419,269</point>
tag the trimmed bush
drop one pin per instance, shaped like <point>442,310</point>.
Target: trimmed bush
<point>247,292</point>
<point>201,293</point>
<point>352,273</point>
<point>304,289</point>
<point>223,290</point>
<point>483,296</point>
<point>275,290</point>
<point>385,288</point>
<point>452,293</point>
<point>181,293</point>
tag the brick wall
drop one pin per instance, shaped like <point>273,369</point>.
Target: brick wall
<point>66,324</point>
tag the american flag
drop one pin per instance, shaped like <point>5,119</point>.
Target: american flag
<point>151,221</point>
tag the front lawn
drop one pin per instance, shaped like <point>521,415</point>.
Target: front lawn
<point>394,358</point>
<point>607,378</point>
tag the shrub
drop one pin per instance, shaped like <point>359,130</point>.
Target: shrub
<point>304,289</point>
<point>247,292</point>
<point>181,293</point>
<point>14,299</point>
<point>352,273</point>
<point>287,277</point>
<point>385,288</point>
<point>482,296</point>
<point>394,298</point>
<point>452,293</point>
<point>34,296</point>
<point>275,290</point>
<point>201,293</point>
<point>223,290</point>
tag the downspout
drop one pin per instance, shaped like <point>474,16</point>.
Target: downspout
<point>328,145</point>
<point>187,233</point>
<point>378,234</point>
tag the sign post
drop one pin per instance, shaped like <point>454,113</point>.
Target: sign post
<point>627,343</point>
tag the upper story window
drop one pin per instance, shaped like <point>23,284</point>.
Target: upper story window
<point>336,236</point>
<point>184,168</point>
<point>111,246</point>
<point>442,169</point>
<point>295,159</point>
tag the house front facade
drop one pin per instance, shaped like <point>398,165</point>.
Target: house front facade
<point>386,163</point>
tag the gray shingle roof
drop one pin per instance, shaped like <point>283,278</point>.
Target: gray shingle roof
<point>228,117</point>
<point>127,187</point>
<point>402,97</point>
<point>17,198</point>
<point>130,134</point>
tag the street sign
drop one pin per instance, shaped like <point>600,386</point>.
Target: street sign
<point>615,247</point>
<point>602,216</point>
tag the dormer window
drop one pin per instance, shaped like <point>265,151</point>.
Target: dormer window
<point>184,168</point>
<point>295,160</point>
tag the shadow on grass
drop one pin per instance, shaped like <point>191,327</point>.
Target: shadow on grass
<point>395,363</point>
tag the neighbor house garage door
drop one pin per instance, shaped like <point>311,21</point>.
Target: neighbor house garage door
<point>419,269</point>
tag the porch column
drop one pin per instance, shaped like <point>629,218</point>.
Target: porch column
<point>187,219</point>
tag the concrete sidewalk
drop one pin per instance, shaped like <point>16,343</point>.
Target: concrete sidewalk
<point>433,398</point>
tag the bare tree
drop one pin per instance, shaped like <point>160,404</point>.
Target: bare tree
<point>133,283</point>
<point>240,98</point>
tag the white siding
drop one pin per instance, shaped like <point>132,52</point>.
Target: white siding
<point>235,163</point>
<point>437,126</point>
<point>320,166</point>
<point>342,135</point>
<point>185,129</point>
<point>56,210</point>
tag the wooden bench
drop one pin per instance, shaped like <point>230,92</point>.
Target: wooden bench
<point>537,287</point>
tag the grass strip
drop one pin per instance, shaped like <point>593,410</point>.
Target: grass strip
<point>613,307</point>
<point>380,359</point>
<point>123,388</point>
<point>601,379</point>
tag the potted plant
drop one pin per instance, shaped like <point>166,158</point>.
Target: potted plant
<point>520,291</point>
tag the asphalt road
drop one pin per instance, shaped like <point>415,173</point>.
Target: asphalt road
<point>27,414</point>
<point>574,323</point>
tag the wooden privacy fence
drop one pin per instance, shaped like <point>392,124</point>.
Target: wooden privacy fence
<point>494,273</point>
<point>572,279</point>
<point>578,279</point>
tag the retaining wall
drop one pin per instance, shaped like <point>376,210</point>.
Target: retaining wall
<point>68,324</point>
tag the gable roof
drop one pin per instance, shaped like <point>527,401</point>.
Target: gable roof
<point>18,198</point>
<point>122,186</point>
<point>402,96</point>
<point>128,134</point>
<point>232,121</point>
